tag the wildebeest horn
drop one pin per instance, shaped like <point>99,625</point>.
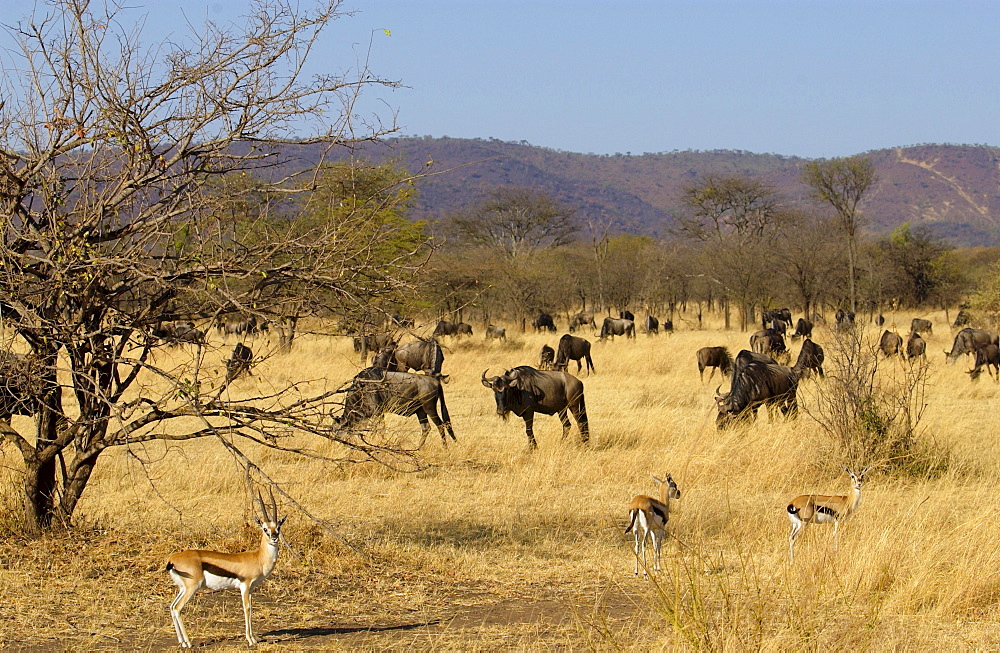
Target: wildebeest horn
<point>486,381</point>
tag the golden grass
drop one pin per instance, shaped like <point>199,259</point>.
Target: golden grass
<point>493,546</point>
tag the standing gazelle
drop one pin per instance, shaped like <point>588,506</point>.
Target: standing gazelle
<point>193,570</point>
<point>823,509</point>
<point>652,516</point>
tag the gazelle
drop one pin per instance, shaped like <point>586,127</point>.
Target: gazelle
<point>194,570</point>
<point>823,509</point>
<point>652,516</point>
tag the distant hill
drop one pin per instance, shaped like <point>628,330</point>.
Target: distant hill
<point>952,189</point>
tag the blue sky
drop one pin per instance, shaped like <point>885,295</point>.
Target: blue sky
<point>810,78</point>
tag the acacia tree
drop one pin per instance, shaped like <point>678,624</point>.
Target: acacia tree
<point>842,183</point>
<point>113,223</point>
<point>736,218</point>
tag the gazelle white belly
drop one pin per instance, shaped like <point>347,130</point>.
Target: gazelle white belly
<point>214,582</point>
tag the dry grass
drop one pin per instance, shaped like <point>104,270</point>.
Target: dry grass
<point>495,547</point>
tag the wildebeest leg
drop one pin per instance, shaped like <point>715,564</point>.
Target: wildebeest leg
<point>579,410</point>
<point>566,424</point>
<point>424,426</point>
<point>529,429</point>
<point>590,365</point>
<point>579,366</point>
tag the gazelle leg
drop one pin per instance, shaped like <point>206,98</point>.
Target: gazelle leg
<point>657,541</point>
<point>183,596</point>
<point>796,529</point>
<point>637,529</point>
<point>245,591</point>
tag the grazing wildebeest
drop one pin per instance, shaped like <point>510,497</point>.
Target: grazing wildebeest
<point>714,357</point>
<point>890,343</point>
<point>626,315</point>
<point>580,319</point>
<point>249,325</point>
<point>494,332</point>
<point>667,326</point>
<point>769,316</point>
<point>803,328</point>
<point>547,359</point>
<point>423,355</point>
<point>879,320</point>
<point>964,318</point>
<point>652,325</point>
<point>986,356</point>
<point>920,325</point>
<point>463,329</point>
<point>617,327</point>
<point>374,392</point>
<point>445,328</point>
<point>845,320</point>
<point>239,362</point>
<point>915,346</point>
<point>178,331</point>
<point>754,385</point>
<point>373,342</point>
<point>746,357</point>
<point>573,348</point>
<point>768,341</point>
<point>810,359</point>
<point>967,341</point>
<point>543,321</point>
<point>525,391</point>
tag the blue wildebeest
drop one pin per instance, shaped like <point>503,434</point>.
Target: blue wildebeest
<point>967,341</point>
<point>803,328</point>
<point>652,325</point>
<point>768,341</point>
<point>525,391</point>
<point>920,325</point>
<point>423,355</point>
<point>626,315</point>
<point>547,358</point>
<point>374,392</point>
<point>581,319</point>
<point>494,332</point>
<point>915,346</point>
<point>986,356</point>
<point>714,357</point>
<point>845,320</point>
<point>890,343</point>
<point>810,359</point>
<point>239,362</point>
<point>757,384</point>
<point>543,321</point>
<point>573,348</point>
<point>617,327</point>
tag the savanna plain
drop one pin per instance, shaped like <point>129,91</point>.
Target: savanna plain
<point>490,545</point>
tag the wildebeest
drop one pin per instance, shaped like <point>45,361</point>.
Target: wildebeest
<point>463,329</point>
<point>920,325</point>
<point>580,319</point>
<point>626,315</point>
<point>803,328</point>
<point>374,392</point>
<point>810,359</point>
<point>543,321</point>
<point>745,357</point>
<point>179,331</point>
<point>845,320</point>
<point>248,325</point>
<point>494,332</point>
<point>239,362</point>
<point>767,317</point>
<point>423,355</point>
<point>714,357</point>
<point>768,341</point>
<point>652,325</point>
<point>667,326</point>
<point>967,341</point>
<point>879,320</point>
<point>758,384</point>
<point>373,342</point>
<point>525,391</point>
<point>617,327</point>
<point>964,318</point>
<point>890,343</point>
<point>986,356</point>
<point>573,348</point>
<point>547,359</point>
<point>444,328</point>
<point>779,326</point>
<point>915,346</point>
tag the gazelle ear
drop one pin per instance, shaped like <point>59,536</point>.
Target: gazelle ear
<point>655,479</point>
<point>282,521</point>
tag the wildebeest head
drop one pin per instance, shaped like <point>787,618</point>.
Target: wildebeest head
<point>507,389</point>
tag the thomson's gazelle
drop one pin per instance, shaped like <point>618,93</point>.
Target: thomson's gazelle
<point>652,516</point>
<point>823,509</point>
<point>193,570</point>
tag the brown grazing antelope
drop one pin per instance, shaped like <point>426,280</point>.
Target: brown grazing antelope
<point>648,517</point>
<point>823,509</point>
<point>194,570</point>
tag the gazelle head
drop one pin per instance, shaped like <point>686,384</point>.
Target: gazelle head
<point>270,525</point>
<point>671,487</point>
<point>857,479</point>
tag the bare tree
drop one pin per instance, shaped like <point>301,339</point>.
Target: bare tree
<point>113,224</point>
<point>842,183</point>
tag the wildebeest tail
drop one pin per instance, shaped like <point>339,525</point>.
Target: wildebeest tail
<point>632,515</point>
<point>445,417</point>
